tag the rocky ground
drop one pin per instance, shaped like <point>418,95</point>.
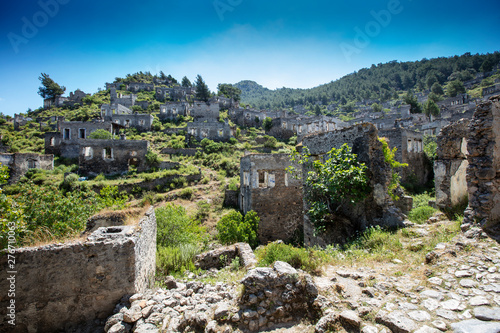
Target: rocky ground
<point>456,289</point>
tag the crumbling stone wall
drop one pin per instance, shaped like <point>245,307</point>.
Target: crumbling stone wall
<point>215,131</point>
<point>59,286</point>
<point>202,111</point>
<point>483,172</point>
<point>378,207</point>
<point>142,122</point>
<point>410,150</point>
<point>171,111</point>
<point>451,165</point>
<point>275,195</point>
<point>20,163</point>
<point>111,156</point>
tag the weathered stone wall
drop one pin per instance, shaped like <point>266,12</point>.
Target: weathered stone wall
<point>231,198</point>
<point>410,150</point>
<point>59,286</point>
<point>275,195</point>
<point>215,131</point>
<point>111,156</point>
<point>451,165</point>
<point>142,122</point>
<point>483,172</point>
<point>378,208</point>
<point>20,163</point>
<point>202,111</point>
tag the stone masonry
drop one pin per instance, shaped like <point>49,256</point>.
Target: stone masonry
<point>20,163</point>
<point>451,165</point>
<point>483,172</point>
<point>275,195</point>
<point>60,286</point>
<point>377,209</point>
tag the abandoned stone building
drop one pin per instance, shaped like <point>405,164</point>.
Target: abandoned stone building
<point>172,111</point>
<point>111,156</point>
<point>174,93</point>
<point>253,118</point>
<point>213,130</point>
<point>492,90</point>
<point>60,101</point>
<point>460,99</point>
<point>20,120</point>
<point>377,208</point>
<point>410,150</point>
<point>140,86</point>
<point>122,115</point>
<point>202,111</point>
<point>125,100</point>
<point>108,110</point>
<point>451,164</point>
<point>276,196</point>
<point>285,128</point>
<point>65,142</point>
<point>20,163</point>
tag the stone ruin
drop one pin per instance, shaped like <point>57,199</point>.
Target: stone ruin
<point>60,287</point>
<point>483,172</point>
<point>451,164</point>
<point>20,163</point>
<point>377,209</point>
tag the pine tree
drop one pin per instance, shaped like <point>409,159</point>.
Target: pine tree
<point>202,91</point>
<point>49,89</point>
<point>186,83</point>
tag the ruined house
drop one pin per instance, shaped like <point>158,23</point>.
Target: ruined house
<point>377,209</point>
<point>492,90</point>
<point>410,150</point>
<point>140,86</point>
<point>253,118</point>
<point>60,101</point>
<point>202,111</point>
<point>172,111</point>
<point>483,172</point>
<point>214,130</point>
<point>124,100</point>
<point>65,143</point>
<point>451,165</point>
<point>121,115</point>
<point>20,163</point>
<point>276,196</point>
<point>174,93</point>
<point>111,156</point>
<point>286,127</point>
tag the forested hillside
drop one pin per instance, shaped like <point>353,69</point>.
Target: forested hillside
<point>379,82</point>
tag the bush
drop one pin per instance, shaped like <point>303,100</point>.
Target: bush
<point>421,214</point>
<point>101,134</point>
<point>233,228</point>
<point>186,193</point>
<point>176,228</point>
<point>110,197</point>
<point>176,259</point>
<point>270,142</point>
<point>299,258</point>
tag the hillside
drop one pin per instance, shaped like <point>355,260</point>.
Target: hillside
<point>381,82</point>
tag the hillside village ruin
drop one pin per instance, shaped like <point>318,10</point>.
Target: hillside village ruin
<point>467,168</point>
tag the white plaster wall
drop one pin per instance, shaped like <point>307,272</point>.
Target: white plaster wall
<point>458,183</point>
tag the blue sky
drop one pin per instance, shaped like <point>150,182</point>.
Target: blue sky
<point>299,44</point>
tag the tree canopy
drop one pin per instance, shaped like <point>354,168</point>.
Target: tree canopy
<point>202,91</point>
<point>186,83</point>
<point>229,91</point>
<point>49,89</point>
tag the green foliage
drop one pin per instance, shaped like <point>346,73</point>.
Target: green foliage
<point>437,89</point>
<point>389,156</point>
<point>340,179</point>
<point>411,99</point>
<point>186,83</point>
<point>101,134</point>
<point>233,228</point>
<point>49,88</point>
<point>421,214</point>
<point>431,108</point>
<point>421,200</point>
<point>305,259</point>
<point>453,88</point>
<point>186,193</point>
<point>176,228</point>
<point>152,159</point>
<point>376,239</point>
<point>110,197</point>
<point>229,91</point>
<point>202,91</point>
<point>430,147</point>
<point>270,142</point>
<point>172,259</point>
<point>267,124</point>
<point>376,107</point>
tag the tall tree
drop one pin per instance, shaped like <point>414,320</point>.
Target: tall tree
<point>431,108</point>
<point>411,99</point>
<point>49,88</point>
<point>437,89</point>
<point>229,91</point>
<point>453,88</point>
<point>186,83</point>
<point>202,91</point>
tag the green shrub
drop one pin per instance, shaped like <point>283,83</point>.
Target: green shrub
<point>186,193</point>
<point>176,228</point>
<point>270,142</point>
<point>421,214</point>
<point>233,228</point>
<point>176,259</point>
<point>101,134</point>
<point>110,197</point>
<point>305,259</point>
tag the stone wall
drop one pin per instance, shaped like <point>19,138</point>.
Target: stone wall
<point>60,286</point>
<point>483,172</point>
<point>410,150</point>
<point>111,156</point>
<point>215,131</point>
<point>142,122</point>
<point>275,195</point>
<point>378,208</point>
<point>20,163</point>
<point>202,111</point>
<point>451,165</point>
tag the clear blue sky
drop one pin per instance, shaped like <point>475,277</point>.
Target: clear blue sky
<point>299,44</point>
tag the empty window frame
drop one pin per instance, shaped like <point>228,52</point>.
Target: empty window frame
<point>32,164</point>
<point>107,153</point>
<point>82,133</point>
<point>88,153</point>
<point>67,134</point>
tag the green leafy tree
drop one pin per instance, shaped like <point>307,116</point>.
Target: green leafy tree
<point>412,100</point>
<point>49,88</point>
<point>453,88</point>
<point>233,228</point>
<point>431,108</point>
<point>390,158</point>
<point>176,228</point>
<point>376,107</point>
<point>152,159</point>
<point>101,134</point>
<point>267,124</point>
<point>202,91</point>
<point>229,91</point>
<point>186,83</point>
<point>340,179</point>
<point>437,89</point>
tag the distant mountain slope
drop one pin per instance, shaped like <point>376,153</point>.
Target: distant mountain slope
<point>379,82</point>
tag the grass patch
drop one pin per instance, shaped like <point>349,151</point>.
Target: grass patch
<point>421,214</point>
